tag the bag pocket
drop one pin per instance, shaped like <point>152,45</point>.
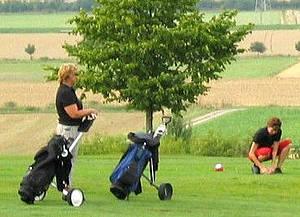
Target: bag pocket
<point>130,175</point>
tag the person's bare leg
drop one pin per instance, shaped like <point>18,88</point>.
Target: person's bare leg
<point>262,158</point>
<point>283,155</point>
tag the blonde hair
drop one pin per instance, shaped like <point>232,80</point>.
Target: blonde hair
<point>65,71</point>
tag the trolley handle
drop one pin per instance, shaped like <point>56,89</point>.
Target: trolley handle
<point>87,123</point>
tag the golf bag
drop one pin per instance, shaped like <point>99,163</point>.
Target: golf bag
<point>144,149</point>
<point>53,160</point>
<point>47,164</point>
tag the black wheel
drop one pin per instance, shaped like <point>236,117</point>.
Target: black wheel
<point>40,197</point>
<point>165,191</point>
<point>75,197</point>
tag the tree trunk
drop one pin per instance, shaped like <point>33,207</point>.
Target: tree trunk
<point>149,121</point>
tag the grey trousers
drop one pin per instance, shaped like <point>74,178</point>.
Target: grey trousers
<point>69,132</point>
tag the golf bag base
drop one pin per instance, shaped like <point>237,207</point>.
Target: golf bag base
<point>41,173</point>
<point>119,191</point>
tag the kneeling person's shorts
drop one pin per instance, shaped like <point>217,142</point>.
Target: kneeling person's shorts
<point>267,151</point>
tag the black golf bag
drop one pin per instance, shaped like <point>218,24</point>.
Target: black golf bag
<point>144,149</point>
<point>53,160</point>
<point>48,163</point>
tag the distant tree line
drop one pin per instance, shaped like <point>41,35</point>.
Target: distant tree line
<point>50,6</point>
<point>59,5</point>
<point>247,5</point>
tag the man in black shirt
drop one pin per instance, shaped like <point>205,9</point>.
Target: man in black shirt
<point>266,145</point>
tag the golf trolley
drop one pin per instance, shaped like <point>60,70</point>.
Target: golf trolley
<point>144,149</point>
<point>54,160</point>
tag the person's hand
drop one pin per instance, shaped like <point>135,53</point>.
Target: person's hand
<point>264,170</point>
<point>93,111</point>
<point>272,169</point>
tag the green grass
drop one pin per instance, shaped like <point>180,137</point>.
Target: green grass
<point>195,111</point>
<point>249,67</point>
<point>198,190</point>
<point>243,124</point>
<point>265,18</point>
<point>57,22</point>
<point>35,30</point>
<point>269,20</point>
<point>25,70</point>
<point>277,27</point>
<point>34,22</point>
<point>257,18</point>
<point>13,108</point>
<point>257,67</point>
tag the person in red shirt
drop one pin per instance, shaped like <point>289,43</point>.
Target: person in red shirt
<point>266,145</point>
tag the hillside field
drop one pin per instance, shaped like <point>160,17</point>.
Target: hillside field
<point>23,91</point>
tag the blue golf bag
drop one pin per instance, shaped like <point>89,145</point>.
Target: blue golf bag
<point>142,151</point>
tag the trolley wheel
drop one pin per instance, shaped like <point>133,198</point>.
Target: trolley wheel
<point>75,197</point>
<point>165,191</point>
<point>40,197</point>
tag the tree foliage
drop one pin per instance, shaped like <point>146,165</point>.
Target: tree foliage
<point>30,49</point>
<point>258,47</point>
<point>153,54</point>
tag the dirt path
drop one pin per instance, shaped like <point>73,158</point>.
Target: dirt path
<point>212,115</point>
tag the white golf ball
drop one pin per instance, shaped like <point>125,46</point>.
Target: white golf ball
<point>219,167</point>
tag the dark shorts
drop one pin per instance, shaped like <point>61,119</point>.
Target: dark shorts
<point>266,151</point>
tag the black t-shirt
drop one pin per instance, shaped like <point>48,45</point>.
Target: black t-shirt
<point>264,139</point>
<point>66,96</point>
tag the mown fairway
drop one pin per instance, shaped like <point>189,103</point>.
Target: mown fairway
<point>198,190</point>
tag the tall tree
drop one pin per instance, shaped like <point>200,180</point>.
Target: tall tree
<point>153,54</point>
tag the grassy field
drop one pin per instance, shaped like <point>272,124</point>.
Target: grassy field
<point>34,22</point>
<point>198,190</point>
<point>25,70</point>
<point>258,67</point>
<point>57,22</point>
<point>269,20</point>
<point>244,67</point>
<point>257,18</point>
<point>243,124</point>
